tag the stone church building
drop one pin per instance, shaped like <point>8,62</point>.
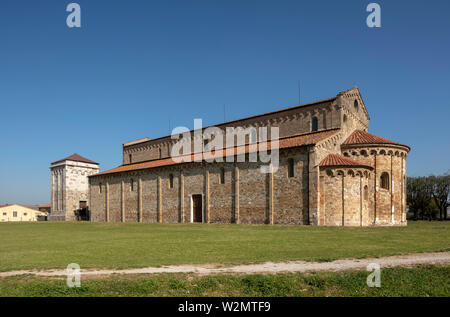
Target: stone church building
<point>332,172</point>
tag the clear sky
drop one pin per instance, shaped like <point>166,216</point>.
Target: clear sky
<point>135,65</point>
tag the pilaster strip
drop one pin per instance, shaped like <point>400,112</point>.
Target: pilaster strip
<point>123,201</point>
<point>159,200</point>
<point>236,194</point>
<point>140,200</point>
<point>107,201</point>
<point>182,196</point>
<point>207,195</point>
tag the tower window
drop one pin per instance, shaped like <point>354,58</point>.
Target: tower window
<point>314,124</point>
<point>160,153</point>
<point>171,181</point>
<point>366,192</point>
<point>100,188</point>
<point>222,176</point>
<point>291,167</point>
<point>130,158</point>
<point>384,179</point>
<point>205,144</point>
<point>356,104</point>
<point>132,185</point>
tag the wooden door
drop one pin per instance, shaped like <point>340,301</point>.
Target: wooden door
<point>197,208</point>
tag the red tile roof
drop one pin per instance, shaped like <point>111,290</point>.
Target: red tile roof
<point>77,158</point>
<point>1,206</point>
<point>45,206</point>
<point>339,160</point>
<point>363,137</point>
<point>287,142</point>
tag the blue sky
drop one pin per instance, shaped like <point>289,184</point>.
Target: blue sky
<point>135,65</point>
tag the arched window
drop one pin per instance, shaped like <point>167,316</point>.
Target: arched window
<point>171,181</point>
<point>291,168</point>
<point>130,158</point>
<point>384,180</point>
<point>344,118</point>
<point>366,192</point>
<point>314,124</point>
<point>100,188</point>
<point>160,153</point>
<point>132,184</point>
<point>356,104</point>
<point>222,176</point>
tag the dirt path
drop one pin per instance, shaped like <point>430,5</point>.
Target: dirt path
<point>268,267</point>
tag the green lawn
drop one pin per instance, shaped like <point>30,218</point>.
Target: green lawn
<point>418,281</point>
<point>45,245</point>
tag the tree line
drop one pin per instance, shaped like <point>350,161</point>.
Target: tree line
<point>428,196</point>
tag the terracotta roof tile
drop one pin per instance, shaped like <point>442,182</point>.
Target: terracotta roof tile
<point>339,160</point>
<point>77,158</point>
<point>287,142</point>
<point>363,137</point>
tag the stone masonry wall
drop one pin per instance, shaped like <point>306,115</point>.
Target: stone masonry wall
<point>247,196</point>
<point>343,201</point>
<point>69,186</point>
<point>389,205</point>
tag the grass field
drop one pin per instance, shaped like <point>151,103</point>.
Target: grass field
<point>46,245</point>
<point>418,281</point>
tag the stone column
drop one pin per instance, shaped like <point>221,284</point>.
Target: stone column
<point>391,191</point>
<point>403,218</point>
<point>313,188</point>
<point>343,199</point>
<point>122,205</point>
<point>159,200</point>
<point>375,189</point>
<point>140,199</point>
<point>360,198</point>
<point>236,194</point>
<point>107,201</point>
<point>207,195</point>
<point>182,196</point>
<point>271,209</point>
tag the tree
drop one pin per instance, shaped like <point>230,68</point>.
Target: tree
<point>419,196</point>
<point>440,193</point>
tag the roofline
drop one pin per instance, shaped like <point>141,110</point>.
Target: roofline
<point>225,148</point>
<point>64,160</point>
<point>23,206</point>
<point>355,145</point>
<point>360,96</point>
<point>222,149</point>
<point>242,119</point>
<point>346,166</point>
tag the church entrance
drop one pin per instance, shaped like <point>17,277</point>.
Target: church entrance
<point>197,208</point>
